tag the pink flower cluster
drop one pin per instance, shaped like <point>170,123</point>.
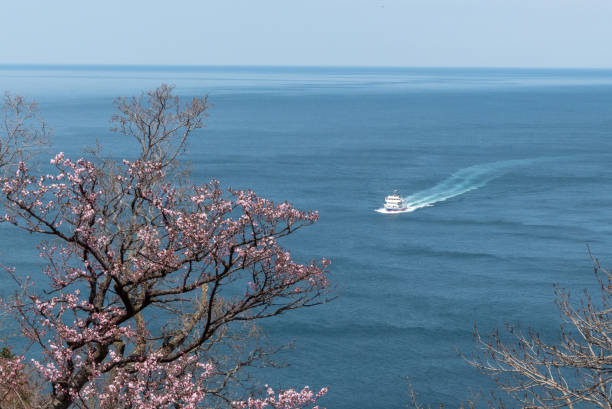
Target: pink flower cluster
<point>11,374</point>
<point>154,384</point>
<point>289,399</point>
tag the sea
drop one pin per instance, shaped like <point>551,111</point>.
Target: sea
<point>507,172</point>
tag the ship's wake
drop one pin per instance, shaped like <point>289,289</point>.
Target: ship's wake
<point>460,182</point>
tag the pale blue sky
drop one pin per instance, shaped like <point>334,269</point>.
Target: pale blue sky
<point>492,33</point>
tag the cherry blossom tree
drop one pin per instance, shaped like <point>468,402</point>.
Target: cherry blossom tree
<point>148,278</point>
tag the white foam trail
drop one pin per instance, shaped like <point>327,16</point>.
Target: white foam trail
<point>459,183</point>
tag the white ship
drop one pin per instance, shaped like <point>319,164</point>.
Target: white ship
<point>394,203</point>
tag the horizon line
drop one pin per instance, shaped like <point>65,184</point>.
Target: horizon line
<point>139,65</point>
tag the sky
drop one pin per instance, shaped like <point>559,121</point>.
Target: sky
<point>410,33</point>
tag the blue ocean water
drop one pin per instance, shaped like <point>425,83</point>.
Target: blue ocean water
<point>509,171</point>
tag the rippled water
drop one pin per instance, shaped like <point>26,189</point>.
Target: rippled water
<point>508,172</point>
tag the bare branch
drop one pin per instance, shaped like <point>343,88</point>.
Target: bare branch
<point>21,130</point>
<point>576,371</point>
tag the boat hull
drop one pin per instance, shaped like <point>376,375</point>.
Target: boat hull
<point>401,209</point>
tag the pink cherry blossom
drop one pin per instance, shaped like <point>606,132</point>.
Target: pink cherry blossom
<point>129,246</point>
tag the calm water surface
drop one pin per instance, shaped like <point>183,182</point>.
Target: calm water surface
<point>522,158</point>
